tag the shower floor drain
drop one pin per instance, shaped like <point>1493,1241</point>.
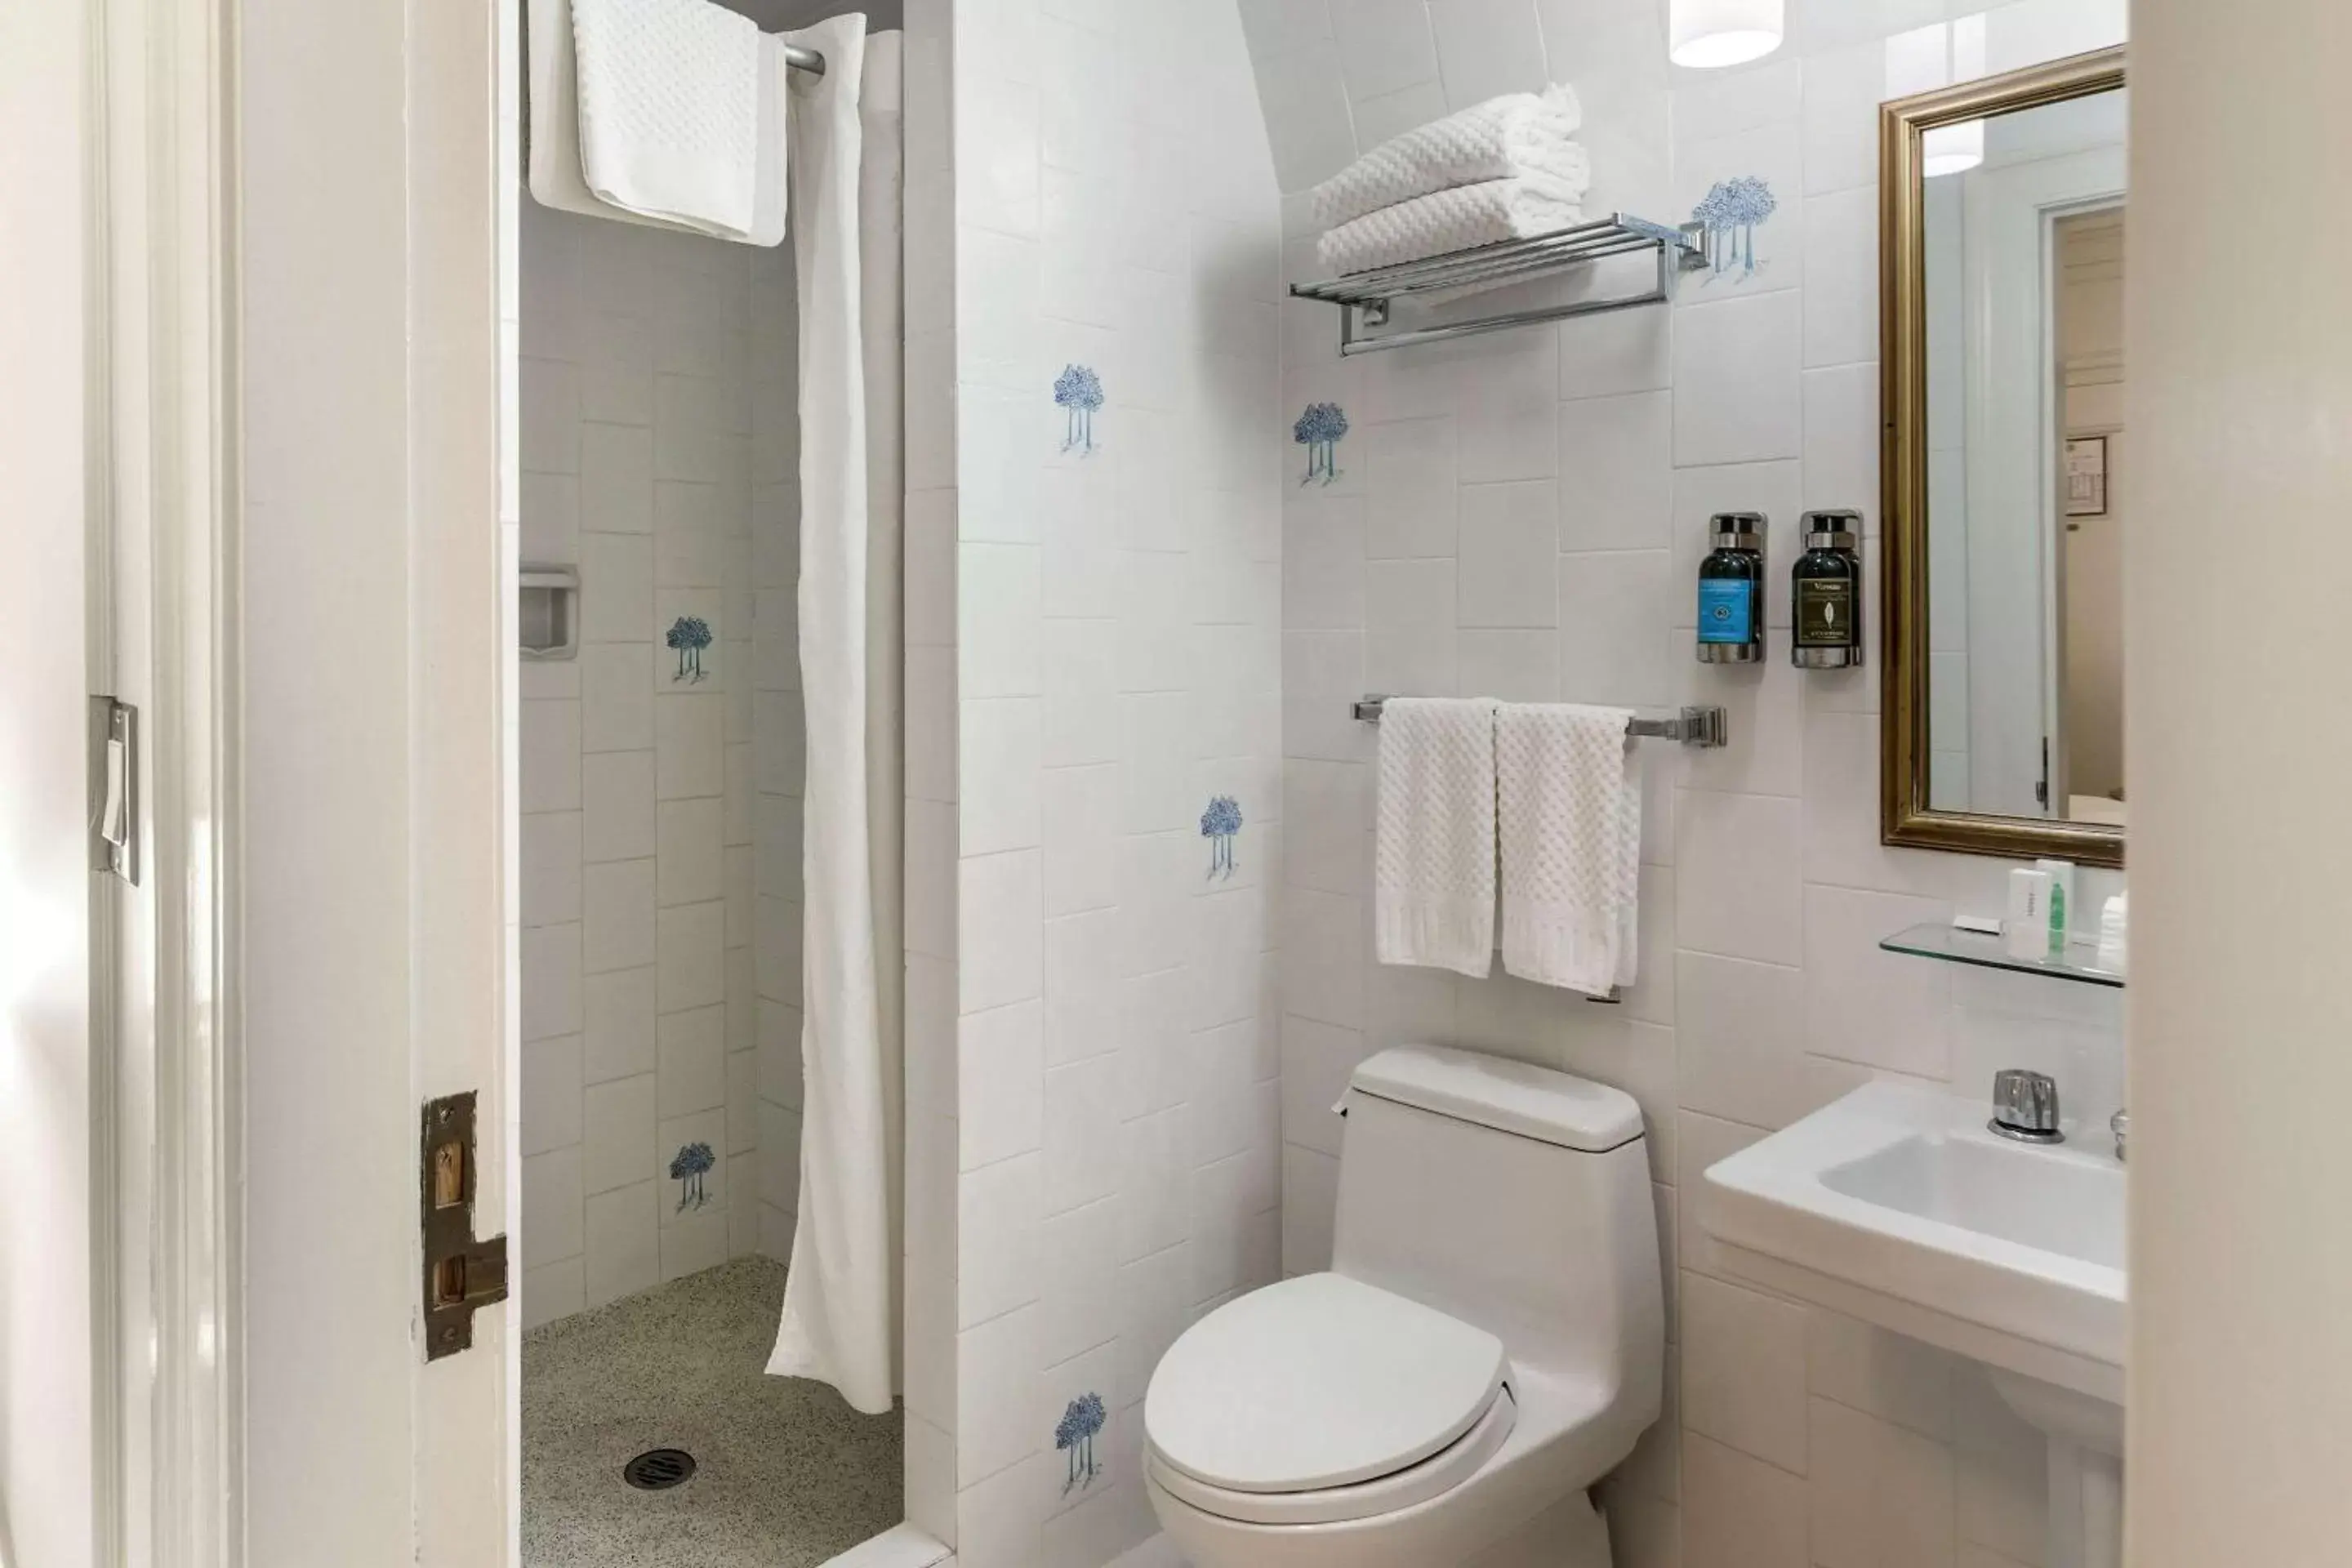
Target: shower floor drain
<point>658,1469</point>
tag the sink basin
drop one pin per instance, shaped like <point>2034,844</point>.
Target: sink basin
<point>1898,1207</point>
<point>2067,1207</point>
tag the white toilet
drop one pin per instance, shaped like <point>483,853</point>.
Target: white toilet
<point>1488,1344</point>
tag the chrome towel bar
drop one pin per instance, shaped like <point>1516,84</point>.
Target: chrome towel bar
<point>1692,726</point>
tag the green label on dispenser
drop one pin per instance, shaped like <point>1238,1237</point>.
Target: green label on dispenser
<point>1825,613</point>
<point>1726,609</point>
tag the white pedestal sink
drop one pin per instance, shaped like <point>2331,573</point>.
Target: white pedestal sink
<point>1896,1205</point>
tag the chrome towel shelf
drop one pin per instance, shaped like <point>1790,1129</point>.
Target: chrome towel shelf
<point>1365,299</point>
<point>1692,726</point>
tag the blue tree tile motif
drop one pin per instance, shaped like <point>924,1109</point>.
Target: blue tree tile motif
<point>1075,1435</point>
<point>689,635</point>
<point>1220,825</point>
<point>687,1168</point>
<point>1731,213</point>
<point>1078,390</point>
<point>1321,430</point>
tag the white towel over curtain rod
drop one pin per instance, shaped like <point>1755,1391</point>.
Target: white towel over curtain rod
<point>553,166</point>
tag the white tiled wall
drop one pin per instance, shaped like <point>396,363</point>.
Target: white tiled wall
<point>934,1086</point>
<point>656,443</point>
<point>1113,659</point>
<point>1521,516</point>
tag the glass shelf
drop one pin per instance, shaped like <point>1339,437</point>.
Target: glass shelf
<point>1941,940</point>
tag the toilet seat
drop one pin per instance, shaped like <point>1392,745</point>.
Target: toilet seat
<point>1324,1393</point>
<point>1433,1477</point>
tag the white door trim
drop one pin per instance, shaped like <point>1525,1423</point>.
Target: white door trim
<point>371,862</point>
<point>163,430</point>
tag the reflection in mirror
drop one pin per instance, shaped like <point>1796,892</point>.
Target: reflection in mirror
<point>2023,260</point>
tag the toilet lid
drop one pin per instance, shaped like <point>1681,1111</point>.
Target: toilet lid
<point>1321,1381</point>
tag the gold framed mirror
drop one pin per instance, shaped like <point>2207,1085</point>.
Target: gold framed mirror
<point>2001,261</point>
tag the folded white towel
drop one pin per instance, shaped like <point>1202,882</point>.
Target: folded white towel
<point>669,109</point>
<point>553,152</point>
<point>1518,133</point>
<point>1571,831</point>
<point>1458,219</point>
<point>1434,853</point>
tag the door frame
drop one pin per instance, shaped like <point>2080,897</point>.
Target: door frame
<point>319,827</point>
<point>2054,437</point>
<point>162,425</point>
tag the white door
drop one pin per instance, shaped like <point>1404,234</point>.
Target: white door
<point>250,455</point>
<point>48,1429</point>
<point>374,964</point>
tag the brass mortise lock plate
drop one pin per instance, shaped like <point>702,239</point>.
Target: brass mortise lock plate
<point>460,1273</point>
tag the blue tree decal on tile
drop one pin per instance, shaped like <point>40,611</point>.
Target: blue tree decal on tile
<point>1732,212</point>
<point>1319,430</point>
<point>1219,825</point>
<point>1078,390</point>
<point>686,1170</point>
<point>689,635</point>
<point>1075,1435</point>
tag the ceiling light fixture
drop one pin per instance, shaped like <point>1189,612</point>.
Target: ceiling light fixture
<point>1955,148</point>
<point>1952,149</point>
<point>1711,33</point>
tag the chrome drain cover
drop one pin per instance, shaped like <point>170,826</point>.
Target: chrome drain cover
<point>658,1469</point>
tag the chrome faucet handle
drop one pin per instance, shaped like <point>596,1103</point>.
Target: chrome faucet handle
<point>2025,1106</point>
<point>2120,1125</point>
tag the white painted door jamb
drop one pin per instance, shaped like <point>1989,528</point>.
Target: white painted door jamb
<point>165,1089</point>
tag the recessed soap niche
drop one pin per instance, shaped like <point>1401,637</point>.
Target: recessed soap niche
<point>547,618</point>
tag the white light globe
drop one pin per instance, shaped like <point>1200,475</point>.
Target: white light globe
<point>1952,149</point>
<point>1709,33</point>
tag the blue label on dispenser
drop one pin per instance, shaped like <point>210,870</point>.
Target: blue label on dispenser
<point>1726,610</point>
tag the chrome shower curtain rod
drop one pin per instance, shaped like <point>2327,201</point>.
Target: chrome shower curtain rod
<point>801,59</point>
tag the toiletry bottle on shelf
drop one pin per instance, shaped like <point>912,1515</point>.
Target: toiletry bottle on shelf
<point>1826,588</point>
<point>2111,928</point>
<point>2026,932</point>
<point>1731,590</point>
<point>2063,910</point>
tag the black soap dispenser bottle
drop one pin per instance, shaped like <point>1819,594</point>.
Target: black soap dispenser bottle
<point>1826,592</point>
<point>1731,590</point>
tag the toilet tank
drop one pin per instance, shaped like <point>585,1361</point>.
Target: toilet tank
<point>1510,1196</point>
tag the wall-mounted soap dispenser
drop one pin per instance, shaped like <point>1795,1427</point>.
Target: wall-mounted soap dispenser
<point>1825,589</point>
<point>1731,590</point>
<point>547,619</point>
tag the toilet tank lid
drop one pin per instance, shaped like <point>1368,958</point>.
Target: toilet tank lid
<point>1532,1102</point>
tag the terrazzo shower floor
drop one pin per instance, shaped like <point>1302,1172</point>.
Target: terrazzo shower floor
<point>788,1475</point>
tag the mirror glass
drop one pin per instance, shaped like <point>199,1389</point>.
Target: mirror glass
<point>2022,244</point>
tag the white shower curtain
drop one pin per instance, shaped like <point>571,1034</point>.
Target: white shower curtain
<point>841,1309</point>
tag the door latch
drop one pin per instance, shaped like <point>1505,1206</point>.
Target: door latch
<point>460,1273</point>
<point>114,788</point>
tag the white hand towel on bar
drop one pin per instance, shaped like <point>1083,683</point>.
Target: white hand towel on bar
<point>669,109</point>
<point>1433,852</point>
<point>1571,830</point>
<point>1518,133</point>
<point>553,151</point>
<point>1458,219</point>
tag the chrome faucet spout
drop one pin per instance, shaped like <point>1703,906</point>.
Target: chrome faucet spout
<point>2025,1106</point>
